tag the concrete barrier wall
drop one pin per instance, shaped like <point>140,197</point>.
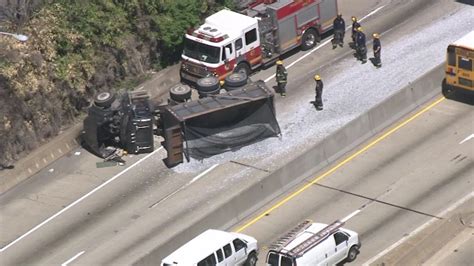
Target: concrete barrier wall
<point>327,151</point>
<point>40,158</point>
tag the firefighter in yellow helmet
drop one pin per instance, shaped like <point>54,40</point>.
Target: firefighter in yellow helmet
<point>361,48</point>
<point>281,77</point>
<point>318,100</point>
<point>377,47</point>
<point>355,26</point>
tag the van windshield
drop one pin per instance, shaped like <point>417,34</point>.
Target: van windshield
<point>275,259</point>
<point>272,259</point>
<point>201,51</point>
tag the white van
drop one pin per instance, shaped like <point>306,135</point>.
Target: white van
<point>215,247</point>
<point>311,244</point>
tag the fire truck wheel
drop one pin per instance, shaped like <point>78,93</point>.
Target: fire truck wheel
<point>242,68</point>
<point>310,38</point>
<point>180,92</point>
<point>235,80</point>
<point>104,99</point>
<point>207,84</point>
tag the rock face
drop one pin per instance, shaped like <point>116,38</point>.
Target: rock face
<point>43,89</point>
<point>75,49</point>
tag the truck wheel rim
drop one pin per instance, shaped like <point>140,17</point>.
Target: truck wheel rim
<point>179,89</point>
<point>352,253</point>
<point>103,96</point>
<point>309,41</point>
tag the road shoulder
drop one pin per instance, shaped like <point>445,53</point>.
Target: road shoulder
<point>436,239</point>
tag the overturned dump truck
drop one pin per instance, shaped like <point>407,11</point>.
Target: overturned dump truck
<point>218,123</point>
<point>127,122</point>
<point>200,128</point>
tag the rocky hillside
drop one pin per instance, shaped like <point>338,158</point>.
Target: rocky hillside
<point>75,49</point>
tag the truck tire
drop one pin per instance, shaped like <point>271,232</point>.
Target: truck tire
<point>352,254</point>
<point>207,84</point>
<point>235,80</point>
<point>242,68</point>
<point>180,93</point>
<point>203,94</point>
<point>104,99</point>
<point>251,260</point>
<point>310,39</point>
<point>446,90</point>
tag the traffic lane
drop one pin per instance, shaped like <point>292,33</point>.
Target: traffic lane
<point>430,243</point>
<point>145,247</point>
<point>50,190</point>
<point>138,189</point>
<point>133,227</point>
<point>410,173</point>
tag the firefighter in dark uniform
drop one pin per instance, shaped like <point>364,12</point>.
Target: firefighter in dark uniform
<point>318,100</point>
<point>339,26</point>
<point>361,48</point>
<point>355,26</point>
<point>281,78</point>
<point>377,47</point>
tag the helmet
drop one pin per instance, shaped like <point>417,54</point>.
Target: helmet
<point>317,77</point>
<point>339,14</point>
<point>279,62</point>
<point>221,83</point>
<point>354,19</point>
<point>359,29</point>
<point>376,35</point>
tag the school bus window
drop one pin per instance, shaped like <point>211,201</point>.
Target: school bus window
<point>465,63</point>
<point>451,56</point>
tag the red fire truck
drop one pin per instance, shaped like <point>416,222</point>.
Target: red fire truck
<point>258,35</point>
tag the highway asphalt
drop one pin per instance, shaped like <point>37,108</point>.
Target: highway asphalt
<point>115,215</point>
<point>404,181</point>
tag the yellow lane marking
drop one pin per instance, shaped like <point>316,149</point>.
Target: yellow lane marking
<point>339,165</point>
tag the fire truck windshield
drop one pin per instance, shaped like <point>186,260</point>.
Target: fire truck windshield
<point>201,51</point>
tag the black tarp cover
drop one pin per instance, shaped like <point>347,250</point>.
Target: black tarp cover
<point>242,125</point>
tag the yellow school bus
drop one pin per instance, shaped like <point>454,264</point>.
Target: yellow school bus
<point>459,63</point>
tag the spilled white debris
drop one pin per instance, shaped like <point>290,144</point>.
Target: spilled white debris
<point>355,89</point>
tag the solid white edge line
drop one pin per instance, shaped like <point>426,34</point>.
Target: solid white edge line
<point>203,173</point>
<point>466,139</point>
<point>371,13</point>
<point>78,200</point>
<point>323,44</point>
<point>73,258</point>
<point>419,229</point>
<point>354,213</point>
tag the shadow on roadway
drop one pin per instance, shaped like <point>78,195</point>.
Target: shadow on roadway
<point>460,96</point>
<point>466,2</point>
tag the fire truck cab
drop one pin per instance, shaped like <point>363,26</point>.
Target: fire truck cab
<point>225,41</point>
<point>241,42</point>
